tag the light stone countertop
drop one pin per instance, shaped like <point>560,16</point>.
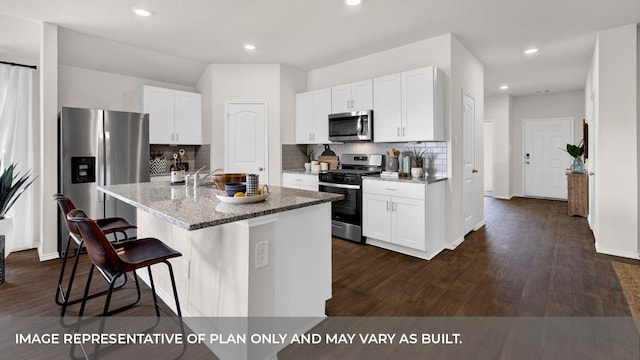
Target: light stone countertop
<point>422,180</point>
<point>179,205</point>
<point>302,171</point>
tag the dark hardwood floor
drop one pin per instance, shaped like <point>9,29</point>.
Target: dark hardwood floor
<point>530,259</point>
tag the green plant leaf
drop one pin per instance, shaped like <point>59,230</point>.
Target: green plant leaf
<point>11,187</point>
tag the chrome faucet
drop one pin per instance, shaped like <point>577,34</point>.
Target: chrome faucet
<point>197,179</point>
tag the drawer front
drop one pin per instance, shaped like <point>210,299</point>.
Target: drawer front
<point>393,188</point>
<point>300,181</point>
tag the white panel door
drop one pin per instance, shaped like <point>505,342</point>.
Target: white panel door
<point>159,104</point>
<point>469,156</point>
<point>245,140</point>
<point>417,105</point>
<point>188,118</point>
<point>545,162</point>
<point>362,95</point>
<point>341,98</point>
<point>408,221</point>
<point>321,111</point>
<point>376,216</point>
<point>304,117</point>
<point>387,108</point>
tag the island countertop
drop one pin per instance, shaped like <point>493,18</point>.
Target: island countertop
<point>192,210</point>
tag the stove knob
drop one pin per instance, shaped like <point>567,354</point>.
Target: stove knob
<point>348,180</point>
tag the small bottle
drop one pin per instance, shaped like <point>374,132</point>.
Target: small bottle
<point>177,172</point>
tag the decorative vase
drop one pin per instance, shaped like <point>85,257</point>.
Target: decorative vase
<point>417,172</point>
<point>431,171</point>
<point>578,166</point>
<point>6,232</point>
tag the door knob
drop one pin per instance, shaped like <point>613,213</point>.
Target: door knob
<point>260,169</point>
<point>527,163</point>
<point>474,171</point>
<point>591,173</point>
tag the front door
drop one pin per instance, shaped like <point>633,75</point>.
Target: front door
<point>469,162</point>
<point>545,161</point>
<point>246,138</point>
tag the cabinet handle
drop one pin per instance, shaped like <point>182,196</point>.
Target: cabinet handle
<point>394,206</point>
<point>177,136</point>
<point>403,131</point>
<point>387,205</point>
<point>398,131</point>
<point>173,136</point>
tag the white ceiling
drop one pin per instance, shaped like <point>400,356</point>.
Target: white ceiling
<point>182,36</point>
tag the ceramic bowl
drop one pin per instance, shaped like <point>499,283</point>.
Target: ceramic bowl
<point>234,188</point>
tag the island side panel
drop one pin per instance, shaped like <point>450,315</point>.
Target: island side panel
<point>303,261</point>
<point>211,276</point>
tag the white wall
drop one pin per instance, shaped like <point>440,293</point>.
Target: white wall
<point>257,82</point>
<point>615,84</point>
<point>292,81</point>
<point>552,105</point>
<point>48,247</point>
<point>467,74</point>
<point>93,89</point>
<point>434,51</point>
<point>498,108</point>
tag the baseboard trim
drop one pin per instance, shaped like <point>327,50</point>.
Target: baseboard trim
<point>503,197</point>
<point>455,244</point>
<point>615,252</point>
<point>478,226</point>
<point>49,256</point>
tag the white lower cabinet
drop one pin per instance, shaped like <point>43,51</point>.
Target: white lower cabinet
<point>404,217</point>
<point>300,181</point>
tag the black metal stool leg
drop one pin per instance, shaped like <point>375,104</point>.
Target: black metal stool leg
<point>86,291</point>
<point>153,292</point>
<point>175,290</point>
<point>64,265</point>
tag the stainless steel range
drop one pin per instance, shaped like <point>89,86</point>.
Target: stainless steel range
<point>346,215</point>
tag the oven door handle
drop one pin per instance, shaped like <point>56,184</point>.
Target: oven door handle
<point>340,186</point>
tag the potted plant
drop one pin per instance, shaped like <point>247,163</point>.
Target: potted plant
<point>575,151</point>
<point>416,155</point>
<point>11,187</point>
<point>307,165</point>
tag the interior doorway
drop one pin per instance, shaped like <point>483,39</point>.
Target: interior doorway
<point>246,138</point>
<point>545,160</point>
<point>469,162</point>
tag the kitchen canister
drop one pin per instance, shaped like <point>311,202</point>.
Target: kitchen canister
<point>392,163</point>
<point>252,184</point>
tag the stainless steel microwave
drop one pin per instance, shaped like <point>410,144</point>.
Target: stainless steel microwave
<point>351,126</point>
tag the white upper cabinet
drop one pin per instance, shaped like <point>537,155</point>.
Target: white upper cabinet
<point>387,108</point>
<point>419,115</point>
<point>175,117</point>
<point>312,116</point>
<point>355,96</point>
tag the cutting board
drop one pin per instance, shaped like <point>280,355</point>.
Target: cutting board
<point>331,160</point>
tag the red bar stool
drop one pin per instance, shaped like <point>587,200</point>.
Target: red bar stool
<point>114,263</point>
<point>112,225</point>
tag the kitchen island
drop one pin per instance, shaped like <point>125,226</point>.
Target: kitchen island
<point>270,258</point>
<point>266,259</point>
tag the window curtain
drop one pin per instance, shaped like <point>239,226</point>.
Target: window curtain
<point>16,146</point>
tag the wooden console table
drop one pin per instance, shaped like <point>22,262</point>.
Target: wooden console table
<point>578,190</point>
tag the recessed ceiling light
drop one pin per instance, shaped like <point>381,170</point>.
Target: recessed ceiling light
<point>352,2</point>
<point>249,47</point>
<point>531,51</point>
<point>142,12</point>
<point>504,87</point>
